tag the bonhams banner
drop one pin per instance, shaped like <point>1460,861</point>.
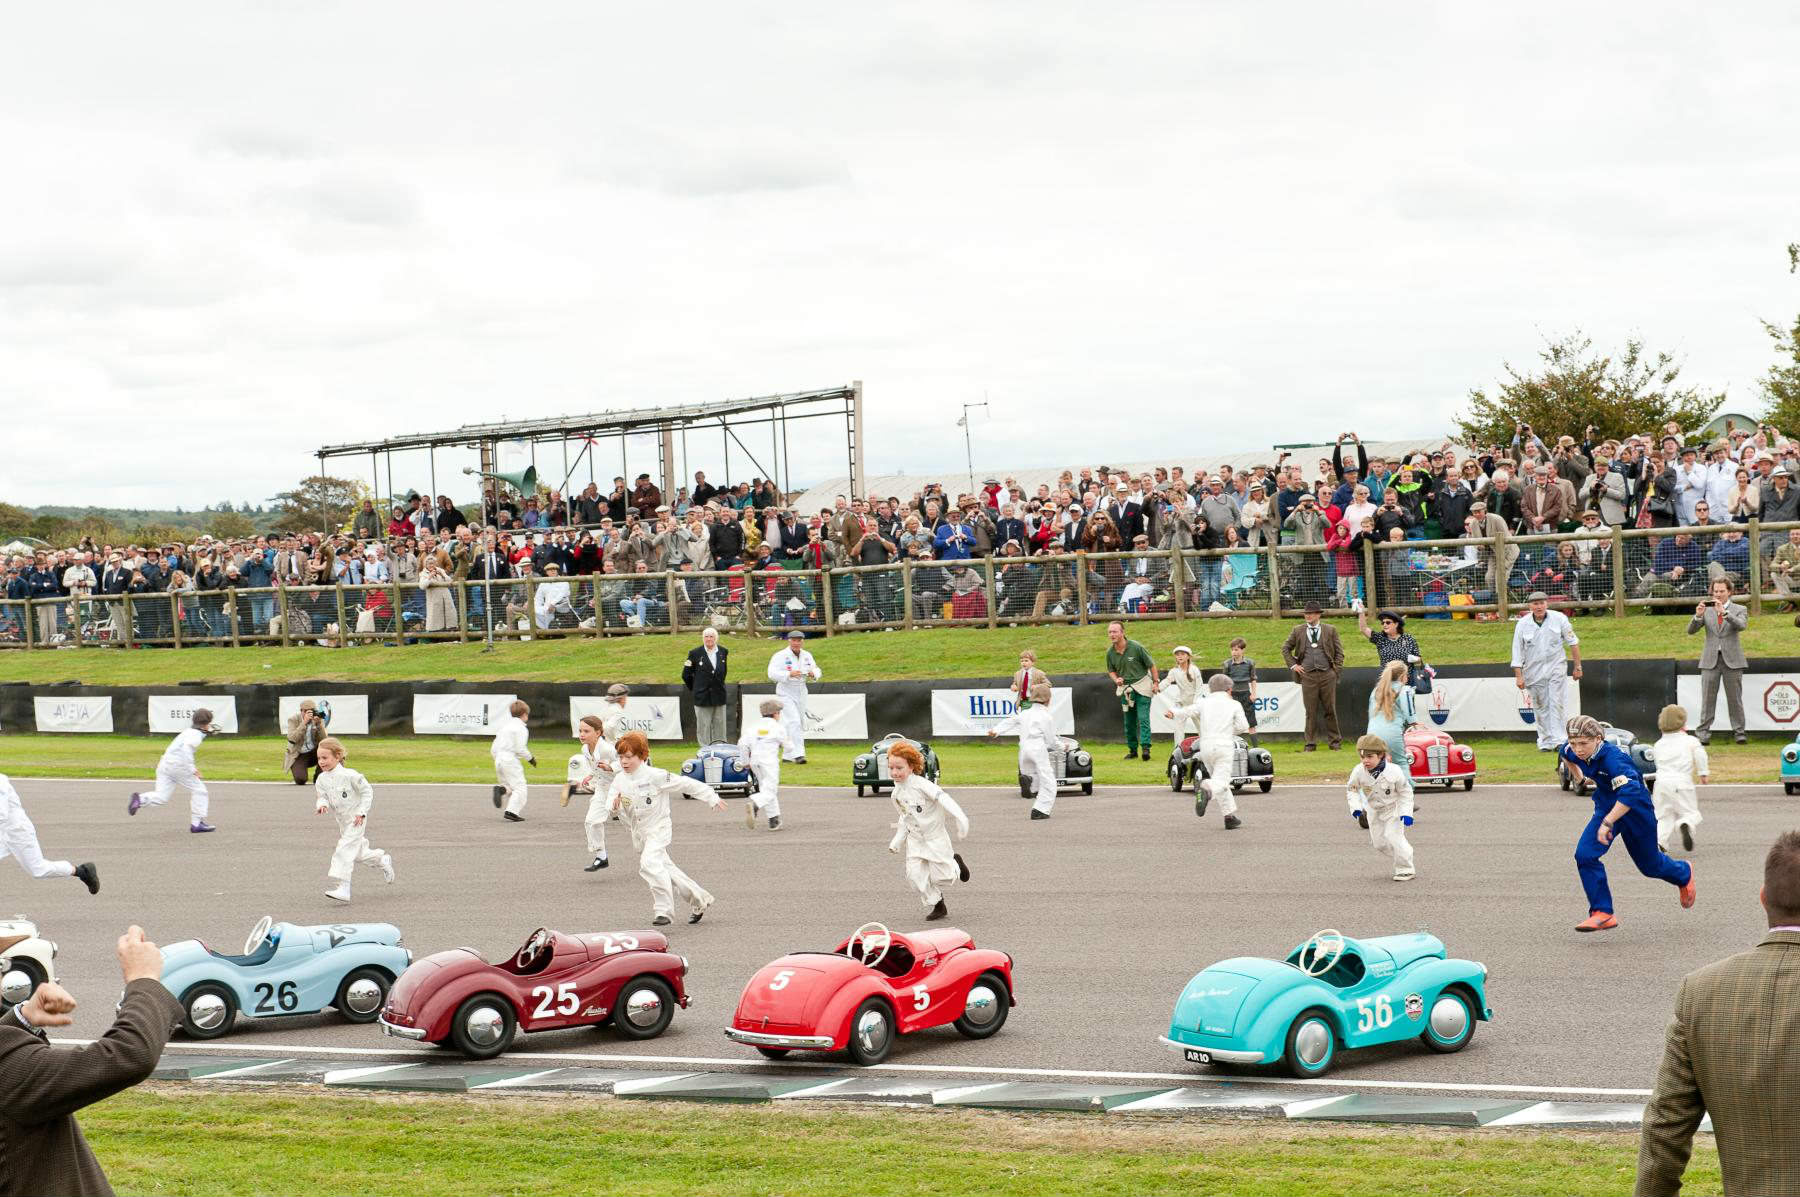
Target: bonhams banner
<point>973,712</point>
<point>74,714</point>
<point>344,714</point>
<point>173,713</point>
<point>459,714</point>
<point>1486,704</point>
<point>828,716</point>
<point>1771,702</point>
<point>659,718</point>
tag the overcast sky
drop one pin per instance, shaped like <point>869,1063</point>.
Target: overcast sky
<point>235,232</point>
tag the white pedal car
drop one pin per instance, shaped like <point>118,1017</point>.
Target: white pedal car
<point>23,953</point>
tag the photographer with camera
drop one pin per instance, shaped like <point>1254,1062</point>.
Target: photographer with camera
<point>1721,659</point>
<point>304,731</point>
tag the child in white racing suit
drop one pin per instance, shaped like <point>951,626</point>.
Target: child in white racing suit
<point>178,768</point>
<point>640,795</point>
<point>1380,798</point>
<point>347,795</point>
<point>760,746</point>
<point>511,749</point>
<point>1680,764</point>
<point>926,816</point>
<point>588,776</point>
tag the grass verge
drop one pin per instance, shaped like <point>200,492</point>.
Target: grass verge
<point>864,656</point>
<point>165,1141</point>
<point>440,759</point>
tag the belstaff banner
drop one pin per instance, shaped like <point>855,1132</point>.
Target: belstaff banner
<point>173,713</point>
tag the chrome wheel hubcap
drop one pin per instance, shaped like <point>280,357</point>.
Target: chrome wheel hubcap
<point>208,1012</point>
<point>483,1026</point>
<point>363,996</point>
<point>872,1031</point>
<point>1449,1019</point>
<point>1313,1043</point>
<point>643,1008</point>
<point>983,1006</point>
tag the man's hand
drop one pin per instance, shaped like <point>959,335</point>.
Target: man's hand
<point>50,1006</point>
<point>1519,679</point>
<point>139,959</point>
<point>1577,671</point>
<point>1699,610</point>
<point>1298,672</point>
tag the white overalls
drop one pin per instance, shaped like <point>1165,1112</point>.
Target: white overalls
<point>585,773</point>
<point>178,768</point>
<point>1537,653</point>
<point>347,794</point>
<point>926,816</point>
<point>1386,801</point>
<point>792,693</point>
<point>1220,718</point>
<point>18,838</point>
<point>642,800</point>
<point>1037,736</point>
<point>760,744</point>
<point>512,744</point>
<point>1680,763</point>
<point>1183,690</point>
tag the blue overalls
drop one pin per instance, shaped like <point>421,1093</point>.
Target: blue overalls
<point>1616,779</point>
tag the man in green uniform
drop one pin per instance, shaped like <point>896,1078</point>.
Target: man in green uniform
<point>1134,671</point>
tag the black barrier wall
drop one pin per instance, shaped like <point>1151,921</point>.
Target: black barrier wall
<point>1628,693</point>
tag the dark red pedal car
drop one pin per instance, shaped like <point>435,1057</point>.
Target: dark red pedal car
<point>871,989</point>
<point>628,979</point>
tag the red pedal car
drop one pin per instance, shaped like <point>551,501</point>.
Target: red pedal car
<point>1436,759</point>
<point>871,989</point>
<point>627,978</point>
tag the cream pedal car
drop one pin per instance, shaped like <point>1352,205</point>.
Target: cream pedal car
<point>24,953</point>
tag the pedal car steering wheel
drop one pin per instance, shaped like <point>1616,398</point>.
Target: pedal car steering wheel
<point>258,934</point>
<point>866,936</point>
<point>1325,947</point>
<point>536,946</point>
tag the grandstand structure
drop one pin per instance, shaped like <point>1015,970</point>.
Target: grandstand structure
<point>570,451</point>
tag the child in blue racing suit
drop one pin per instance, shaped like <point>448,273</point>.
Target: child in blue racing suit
<point>1621,805</point>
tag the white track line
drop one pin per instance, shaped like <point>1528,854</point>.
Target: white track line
<point>787,1067</point>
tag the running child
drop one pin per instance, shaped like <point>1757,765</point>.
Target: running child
<point>1037,736</point>
<point>1380,797</point>
<point>640,795</point>
<point>591,773</point>
<point>347,795</point>
<point>1622,807</point>
<point>926,815</point>
<point>511,749</point>
<point>760,746</point>
<point>1680,762</point>
<point>178,768</point>
<point>19,840</point>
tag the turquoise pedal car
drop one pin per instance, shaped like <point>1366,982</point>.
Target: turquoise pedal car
<point>1790,767</point>
<point>285,969</point>
<point>1331,993</point>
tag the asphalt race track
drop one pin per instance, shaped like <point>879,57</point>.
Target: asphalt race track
<point>1107,909</point>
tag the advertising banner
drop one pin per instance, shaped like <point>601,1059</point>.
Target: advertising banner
<point>973,712</point>
<point>1486,704</point>
<point>171,713</point>
<point>459,714</point>
<point>657,718</point>
<point>828,716</point>
<point>1771,702</point>
<point>344,714</point>
<point>74,714</point>
<point>1278,709</point>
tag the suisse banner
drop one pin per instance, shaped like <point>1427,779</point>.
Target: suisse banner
<point>459,714</point>
<point>1771,702</point>
<point>173,713</point>
<point>1278,709</point>
<point>344,714</point>
<point>74,714</point>
<point>1487,704</point>
<point>973,712</point>
<point>828,716</point>
<point>657,718</point>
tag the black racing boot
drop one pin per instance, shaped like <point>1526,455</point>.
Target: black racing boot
<point>940,911</point>
<point>512,818</point>
<point>89,876</point>
<point>1232,822</point>
<point>1687,842</point>
<point>600,862</point>
<point>499,797</point>
<point>962,868</point>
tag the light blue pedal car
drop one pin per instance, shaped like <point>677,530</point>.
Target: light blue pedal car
<point>285,969</point>
<point>1790,767</point>
<point>1330,993</point>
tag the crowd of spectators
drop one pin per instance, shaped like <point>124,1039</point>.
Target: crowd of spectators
<point>599,560</point>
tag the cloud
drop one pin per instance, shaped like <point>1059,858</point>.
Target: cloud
<point>732,162</point>
<point>351,200</point>
<point>259,143</point>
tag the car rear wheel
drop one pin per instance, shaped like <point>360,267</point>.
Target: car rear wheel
<point>985,1009</point>
<point>774,1053</point>
<point>1311,1045</point>
<point>1176,776</point>
<point>1450,1023</point>
<point>644,1009</point>
<point>483,1026</point>
<point>871,1032</point>
<point>1265,784</point>
<point>362,995</point>
<point>208,1010</point>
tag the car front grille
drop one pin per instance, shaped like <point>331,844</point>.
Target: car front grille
<point>1059,760</point>
<point>1437,759</point>
<point>715,770</point>
<point>1240,760</point>
<point>881,769</point>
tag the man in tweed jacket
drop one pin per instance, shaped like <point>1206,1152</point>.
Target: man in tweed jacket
<point>41,1149</point>
<point>1733,1051</point>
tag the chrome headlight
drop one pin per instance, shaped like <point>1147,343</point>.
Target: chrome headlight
<point>1466,754</point>
<point>1790,754</point>
<point>1082,758</point>
<point>1649,754</point>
